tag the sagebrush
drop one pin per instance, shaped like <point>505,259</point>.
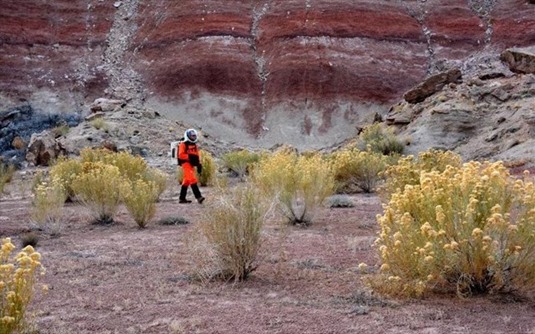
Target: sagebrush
<point>239,162</point>
<point>299,184</point>
<point>356,170</point>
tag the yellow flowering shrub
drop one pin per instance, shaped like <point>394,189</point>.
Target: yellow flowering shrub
<point>469,229</point>
<point>99,188</point>
<point>18,276</point>
<point>299,184</point>
<point>86,180</point>
<point>227,241</point>
<point>47,204</point>
<point>65,170</point>
<point>140,200</point>
<point>131,167</point>
<point>407,170</point>
<point>354,168</point>
<point>239,162</point>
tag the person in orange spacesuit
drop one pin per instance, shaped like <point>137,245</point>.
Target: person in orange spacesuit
<point>189,158</point>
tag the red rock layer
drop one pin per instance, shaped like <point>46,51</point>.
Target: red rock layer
<point>43,44</point>
<point>513,23</point>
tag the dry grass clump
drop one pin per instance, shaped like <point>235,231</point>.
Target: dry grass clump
<point>408,169</point>
<point>61,130</point>
<point>18,276</point>
<point>226,243</point>
<point>239,162</point>
<point>100,124</point>
<point>299,184</point>
<point>469,229</point>
<point>358,170</point>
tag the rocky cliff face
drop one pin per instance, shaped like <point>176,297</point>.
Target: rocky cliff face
<point>303,72</point>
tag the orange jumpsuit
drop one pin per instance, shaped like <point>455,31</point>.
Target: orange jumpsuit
<point>189,155</point>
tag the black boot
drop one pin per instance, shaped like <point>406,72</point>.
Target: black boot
<point>197,193</point>
<point>183,193</point>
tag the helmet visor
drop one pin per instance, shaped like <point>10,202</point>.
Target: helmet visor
<point>192,135</point>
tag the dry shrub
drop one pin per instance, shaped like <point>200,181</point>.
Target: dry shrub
<point>6,174</point>
<point>18,276</point>
<point>379,139</point>
<point>47,204</point>
<point>226,244</point>
<point>61,130</point>
<point>469,229</point>
<point>239,162</point>
<point>140,200</point>
<point>98,187</point>
<point>159,178</point>
<point>408,169</point>
<point>299,184</point>
<point>354,168</point>
<point>209,168</point>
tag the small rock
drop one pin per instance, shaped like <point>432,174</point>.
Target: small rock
<point>519,60</point>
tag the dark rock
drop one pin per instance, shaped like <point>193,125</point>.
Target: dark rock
<point>22,122</point>
<point>432,85</point>
<point>491,75</point>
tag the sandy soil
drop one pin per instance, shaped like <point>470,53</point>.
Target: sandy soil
<point>120,279</point>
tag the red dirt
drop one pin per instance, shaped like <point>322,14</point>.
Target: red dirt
<point>119,279</point>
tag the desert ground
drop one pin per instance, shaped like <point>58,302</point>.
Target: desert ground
<point>118,278</point>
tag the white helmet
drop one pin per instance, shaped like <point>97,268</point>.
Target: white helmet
<point>190,135</point>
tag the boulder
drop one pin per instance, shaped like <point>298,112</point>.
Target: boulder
<point>431,85</point>
<point>106,105</point>
<point>43,148</point>
<point>520,60</point>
